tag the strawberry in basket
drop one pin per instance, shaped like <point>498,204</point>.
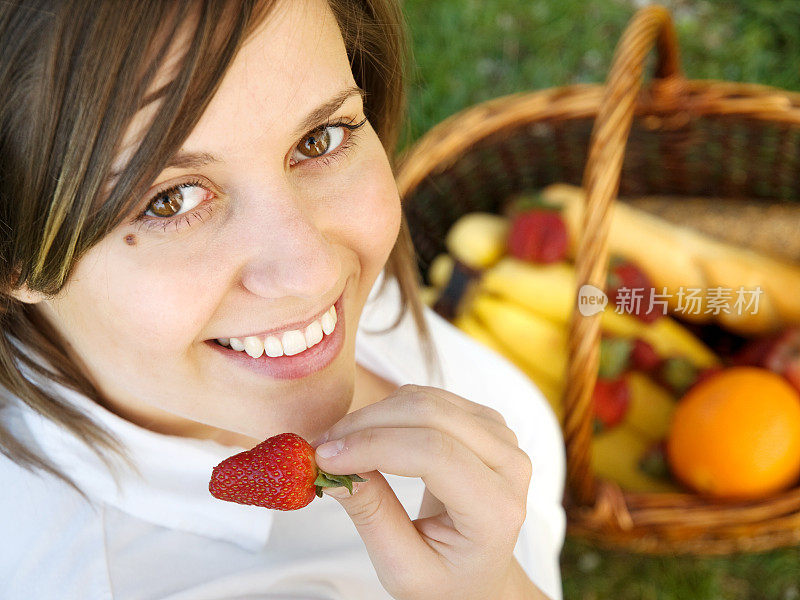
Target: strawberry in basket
<point>627,281</point>
<point>538,235</point>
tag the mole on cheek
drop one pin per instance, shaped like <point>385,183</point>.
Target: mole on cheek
<point>130,239</point>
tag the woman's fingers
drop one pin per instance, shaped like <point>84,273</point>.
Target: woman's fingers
<point>389,536</point>
<point>493,418</point>
<point>430,505</point>
<point>473,425</point>
<point>478,500</point>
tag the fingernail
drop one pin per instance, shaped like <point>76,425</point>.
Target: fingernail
<point>341,492</point>
<point>321,439</point>
<point>338,493</point>
<point>329,449</point>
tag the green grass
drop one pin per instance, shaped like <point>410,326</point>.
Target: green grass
<point>467,51</point>
<point>589,573</point>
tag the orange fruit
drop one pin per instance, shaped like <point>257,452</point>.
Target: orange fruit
<point>737,435</point>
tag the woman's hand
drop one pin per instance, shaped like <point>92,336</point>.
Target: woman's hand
<point>476,485</point>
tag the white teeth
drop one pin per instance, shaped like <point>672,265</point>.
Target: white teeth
<point>328,323</point>
<point>294,342</point>
<point>253,346</point>
<point>290,343</point>
<point>313,334</point>
<point>273,346</point>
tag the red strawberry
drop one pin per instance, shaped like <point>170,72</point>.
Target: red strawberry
<point>538,235</point>
<point>625,274</point>
<point>644,357</point>
<point>611,398</point>
<point>278,473</point>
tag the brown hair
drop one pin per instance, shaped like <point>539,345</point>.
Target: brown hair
<point>72,76</point>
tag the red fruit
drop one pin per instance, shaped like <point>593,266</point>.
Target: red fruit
<point>755,351</point>
<point>644,357</point>
<point>707,373</point>
<point>611,398</point>
<point>539,236</point>
<point>278,473</point>
<point>784,356</point>
<point>779,352</point>
<point>625,274</point>
<point>792,375</point>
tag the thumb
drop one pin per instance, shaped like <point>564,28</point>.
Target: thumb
<point>383,524</point>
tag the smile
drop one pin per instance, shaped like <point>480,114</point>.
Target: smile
<point>289,342</point>
<point>289,354</point>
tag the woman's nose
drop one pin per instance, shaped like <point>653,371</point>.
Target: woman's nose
<point>288,251</point>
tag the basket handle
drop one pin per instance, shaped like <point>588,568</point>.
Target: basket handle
<point>650,25</point>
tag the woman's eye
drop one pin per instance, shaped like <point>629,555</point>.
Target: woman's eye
<point>319,142</point>
<point>176,200</point>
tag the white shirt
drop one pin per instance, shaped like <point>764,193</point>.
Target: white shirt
<point>162,535</point>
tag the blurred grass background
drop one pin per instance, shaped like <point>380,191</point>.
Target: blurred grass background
<point>467,51</point>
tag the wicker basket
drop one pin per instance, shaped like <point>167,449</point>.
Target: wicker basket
<point>676,137</point>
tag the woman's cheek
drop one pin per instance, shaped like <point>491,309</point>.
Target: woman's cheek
<point>371,208</point>
<point>158,298</point>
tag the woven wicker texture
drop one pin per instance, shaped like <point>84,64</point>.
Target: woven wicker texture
<point>666,135</point>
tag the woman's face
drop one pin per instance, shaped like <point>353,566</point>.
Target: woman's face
<point>271,227</point>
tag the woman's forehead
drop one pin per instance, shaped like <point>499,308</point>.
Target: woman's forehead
<point>295,61</point>
<point>290,64</point>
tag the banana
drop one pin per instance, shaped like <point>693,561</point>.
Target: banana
<point>552,390</point>
<point>666,335</point>
<point>440,270</point>
<point>677,257</point>
<point>633,234</point>
<point>429,295</point>
<point>651,408</point>
<point>478,239</point>
<point>538,343</point>
<point>616,453</point>
<point>549,291</point>
<point>470,324</point>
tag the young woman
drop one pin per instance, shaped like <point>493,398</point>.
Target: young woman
<point>199,235</point>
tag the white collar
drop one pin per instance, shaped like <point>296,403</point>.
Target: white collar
<point>171,488</point>
<point>402,343</point>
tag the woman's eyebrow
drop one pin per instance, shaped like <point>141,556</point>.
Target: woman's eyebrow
<point>195,160</point>
<point>325,110</point>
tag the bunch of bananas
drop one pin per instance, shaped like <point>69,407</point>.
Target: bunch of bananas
<point>520,309</point>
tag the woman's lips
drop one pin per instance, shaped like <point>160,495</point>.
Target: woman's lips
<point>299,365</point>
<point>278,333</point>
